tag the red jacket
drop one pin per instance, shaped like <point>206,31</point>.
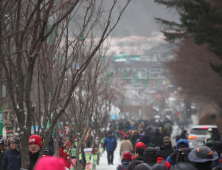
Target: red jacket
<point>64,155</point>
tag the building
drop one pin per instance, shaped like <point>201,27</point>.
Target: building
<point>144,76</point>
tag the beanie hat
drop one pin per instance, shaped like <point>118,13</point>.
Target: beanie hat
<point>166,139</point>
<point>125,137</point>
<point>49,162</point>
<point>210,143</point>
<point>127,155</point>
<point>140,145</point>
<point>35,139</point>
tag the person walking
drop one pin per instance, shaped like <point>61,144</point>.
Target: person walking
<point>183,134</point>
<point>110,144</point>
<point>202,157</point>
<point>12,157</point>
<point>146,140</point>
<point>157,139</point>
<point>215,135</point>
<point>167,148</point>
<point>125,145</point>
<point>64,154</point>
<point>183,145</point>
<point>35,145</point>
<point>125,160</point>
<point>135,137</point>
<point>168,128</point>
<point>138,145</point>
<point>2,150</point>
<point>150,160</point>
<point>138,159</point>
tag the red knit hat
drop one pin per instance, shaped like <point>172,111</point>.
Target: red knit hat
<point>49,162</point>
<point>127,155</point>
<point>35,139</point>
<point>140,145</point>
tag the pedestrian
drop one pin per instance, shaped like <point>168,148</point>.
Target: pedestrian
<point>146,140</point>
<point>219,167</point>
<point>125,160</point>
<point>50,163</point>
<point>12,157</point>
<point>129,135</point>
<point>208,135</point>
<point>136,135</point>
<point>168,128</point>
<point>210,143</point>
<point>48,151</point>
<point>215,135</point>
<point>138,159</point>
<point>167,147</point>
<point>150,160</point>
<point>35,145</point>
<point>2,150</point>
<point>138,145</point>
<point>64,154</point>
<point>183,134</point>
<point>60,140</point>
<point>157,139</point>
<point>110,144</point>
<point>202,157</point>
<point>181,144</point>
<point>217,146</point>
<point>125,145</point>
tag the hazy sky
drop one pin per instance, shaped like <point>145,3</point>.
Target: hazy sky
<point>138,18</point>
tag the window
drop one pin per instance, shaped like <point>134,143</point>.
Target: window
<point>155,73</point>
<point>142,73</point>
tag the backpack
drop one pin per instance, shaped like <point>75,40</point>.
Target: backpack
<point>120,168</point>
<point>168,128</point>
<point>154,166</point>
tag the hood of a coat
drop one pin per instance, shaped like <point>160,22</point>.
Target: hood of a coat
<point>136,131</point>
<point>182,141</point>
<point>145,139</point>
<point>150,156</point>
<point>138,160</point>
<point>157,132</point>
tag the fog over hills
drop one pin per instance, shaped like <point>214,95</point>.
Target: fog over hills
<point>138,19</point>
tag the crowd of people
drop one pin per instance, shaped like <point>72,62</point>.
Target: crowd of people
<point>151,148</point>
<point>144,145</point>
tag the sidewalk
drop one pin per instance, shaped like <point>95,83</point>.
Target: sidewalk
<point>103,164</point>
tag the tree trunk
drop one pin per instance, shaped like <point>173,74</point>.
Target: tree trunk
<point>25,151</point>
<point>57,140</point>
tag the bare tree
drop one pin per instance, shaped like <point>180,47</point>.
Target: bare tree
<point>38,56</point>
<point>191,71</point>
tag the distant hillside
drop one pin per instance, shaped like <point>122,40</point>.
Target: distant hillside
<point>138,18</point>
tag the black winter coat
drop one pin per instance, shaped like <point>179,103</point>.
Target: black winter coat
<point>1,159</point>
<point>33,159</point>
<point>216,136</point>
<point>168,149</point>
<point>132,165</point>
<point>11,160</point>
<point>175,156</point>
<point>149,157</point>
<point>157,140</point>
<point>218,147</point>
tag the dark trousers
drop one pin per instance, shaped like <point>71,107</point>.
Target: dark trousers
<point>110,157</point>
